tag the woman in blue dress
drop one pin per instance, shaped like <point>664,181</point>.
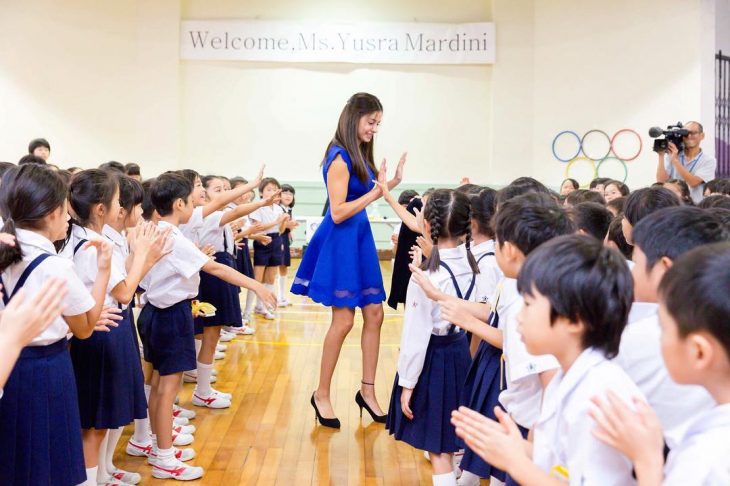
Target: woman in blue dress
<point>340,268</point>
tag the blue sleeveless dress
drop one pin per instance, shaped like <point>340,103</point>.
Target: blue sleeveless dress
<point>340,267</point>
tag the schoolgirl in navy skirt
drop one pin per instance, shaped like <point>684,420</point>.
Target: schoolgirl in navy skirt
<point>434,354</point>
<point>287,204</point>
<point>40,428</point>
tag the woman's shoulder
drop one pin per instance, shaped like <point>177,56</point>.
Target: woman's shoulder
<point>335,150</point>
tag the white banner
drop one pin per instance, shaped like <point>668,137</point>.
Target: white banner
<point>367,43</point>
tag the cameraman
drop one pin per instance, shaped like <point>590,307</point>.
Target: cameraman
<point>692,165</point>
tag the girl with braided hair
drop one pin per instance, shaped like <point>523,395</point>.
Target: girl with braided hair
<point>434,353</point>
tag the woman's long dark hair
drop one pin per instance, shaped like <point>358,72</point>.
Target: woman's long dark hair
<point>359,105</point>
<point>28,194</point>
<point>448,212</point>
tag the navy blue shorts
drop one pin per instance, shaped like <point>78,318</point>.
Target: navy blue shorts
<point>167,337</point>
<point>270,255</point>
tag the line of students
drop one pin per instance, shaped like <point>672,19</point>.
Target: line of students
<point>570,345</point>
<point>78,379</point>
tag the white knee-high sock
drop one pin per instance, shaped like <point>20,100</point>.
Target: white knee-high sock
<point>446,479</point>
<point>90,476</point>
<point>250,296</point>
<point>101,473</point>
<point>282,287</point>
<point>142,428</point>
<point>111,445</point>
<point>205,371</point>
<point>198,345</point>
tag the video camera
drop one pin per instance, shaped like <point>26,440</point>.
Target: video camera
<point>673,133</point>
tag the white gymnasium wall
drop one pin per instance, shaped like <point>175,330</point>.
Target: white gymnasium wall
<point>102,80</point>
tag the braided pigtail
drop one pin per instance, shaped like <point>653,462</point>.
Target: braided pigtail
<point>436,214</point>
<point>469,255</point>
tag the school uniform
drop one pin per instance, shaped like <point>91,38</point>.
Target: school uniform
<point>433,361</point>
<point>40,430</point>
<point>120,255</point>
<point>489,272</point>
<point>564,441</point>
<point>701,457</point>
<point>523,395</point>
<point>483,384</point>
<point>243,255</point>
<point>222,295</point>
<point>640,356</point>
<point>285,243</point>
<point>166,321</point>
<point>270,255</point>
<point>108,373</point>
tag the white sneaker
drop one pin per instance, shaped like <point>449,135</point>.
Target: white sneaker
<point>211,401</point>
<point>180,421</point>
<point>283,303</point>
<point>221,394</point>
<point>110,482</point>
<point>219,355</point>
<point>468,479</point>
<point>183,429</point>
<point>176,469</point>
<point>183,412</point>
<point>242,331</point>
<point>125,477</point>
<point>268,315</point>
<point>221,347</point>
<point>139,449</point>
<point>184,455</point>
<point>182,439</point>
<point>226,336</point>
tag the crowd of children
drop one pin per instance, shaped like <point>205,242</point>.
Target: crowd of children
<point>584,338</point>
<point>78,250</point>
<point>579,337</point>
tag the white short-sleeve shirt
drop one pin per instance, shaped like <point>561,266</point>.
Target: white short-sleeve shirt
<point>120,252</point>
<point>640,356</point>
<point>703,454</point>
<point>176,276</point>
<point>702,166</point>
<point>523,395</point>
<point>86,268</point>
<point>78,299</point>
<point>267,215</point>
<point>422,316</point>
<point>564,432</point>
<point>211,232</point>
<point>489,272</point>
<point>192,228</point>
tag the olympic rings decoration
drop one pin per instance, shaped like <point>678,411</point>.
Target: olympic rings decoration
<point>577,139</point>
<point>608,140</point>
<point>613,144</point>
<point>611,155</point>
<point>581,159</point>
<point>620,161</point>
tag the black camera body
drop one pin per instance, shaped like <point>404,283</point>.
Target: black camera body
<point>673,133</point>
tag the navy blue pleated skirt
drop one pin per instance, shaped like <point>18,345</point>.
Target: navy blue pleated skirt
<point>40,431</point>
<point>285,249</point>
<point>167,337</point>
<point>435,396</point>
<point>481,393</point>
<point>109,377</point>
<point>243,260</point>
<point>224,296</point>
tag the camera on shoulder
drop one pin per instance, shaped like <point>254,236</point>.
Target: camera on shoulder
<point>673,133</point>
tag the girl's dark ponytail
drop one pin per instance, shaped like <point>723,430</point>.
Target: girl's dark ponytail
<point>9,255</point>
<point>28,194</point>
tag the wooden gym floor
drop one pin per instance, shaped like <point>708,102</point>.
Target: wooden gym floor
<point>269,436</point>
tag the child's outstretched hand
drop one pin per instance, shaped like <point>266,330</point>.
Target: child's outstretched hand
<point>257,180</point>
<point>499,443</point>
<point>425,245</point>
<point>635,433</point>
<point>455,312</point>
<point>24,318</point>
<point>266,296</point>
<point>273,198</point>
<point>405,402</point>
<point>108,318</point>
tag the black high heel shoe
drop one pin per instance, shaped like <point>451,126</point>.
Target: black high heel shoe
<point>327,422</point>
<point>363,404</point>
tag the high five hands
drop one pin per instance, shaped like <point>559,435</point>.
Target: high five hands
<point>382,184</point>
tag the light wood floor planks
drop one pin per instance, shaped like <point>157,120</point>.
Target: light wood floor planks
<point>269,436</point>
